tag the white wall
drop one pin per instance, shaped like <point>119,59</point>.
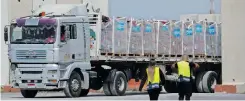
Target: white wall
<point>233,41</point>
<point>4,48</point>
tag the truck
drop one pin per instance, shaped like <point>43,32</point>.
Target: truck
<point>70,48</point>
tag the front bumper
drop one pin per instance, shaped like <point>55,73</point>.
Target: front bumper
<point>38,77</point>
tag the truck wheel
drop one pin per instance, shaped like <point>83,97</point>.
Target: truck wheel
<point>170,86</point>
<point>106,88</point>
<point>28,93</point>
<point>209,81</point>
<point>119,85</point>
<point>199,82</point>
<point>84,92</point>
<point>73,87</point>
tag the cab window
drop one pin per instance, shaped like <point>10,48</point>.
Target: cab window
<point>62,34</point>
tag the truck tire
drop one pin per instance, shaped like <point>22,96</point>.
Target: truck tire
<point>170,86</point>
<point>209,81</point>
<point>73,87</point>
<point>84,92</point>
<point>199,82</point>
<point>29,93</point>
<point>119,85</point>
<point>106,88</point>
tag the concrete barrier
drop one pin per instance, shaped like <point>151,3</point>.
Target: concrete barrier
<point>238,88</point>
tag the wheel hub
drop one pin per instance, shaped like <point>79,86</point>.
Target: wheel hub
<point>75,84</point>
<point>120,84</point>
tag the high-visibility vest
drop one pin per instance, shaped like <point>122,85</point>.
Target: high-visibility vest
<point>156,76</point>
<point>184,69</point>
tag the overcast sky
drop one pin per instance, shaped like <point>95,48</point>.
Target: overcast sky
<point>160,9</point>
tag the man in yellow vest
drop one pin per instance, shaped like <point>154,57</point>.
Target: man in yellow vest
<point>185,79</point>
<point>155,80</point>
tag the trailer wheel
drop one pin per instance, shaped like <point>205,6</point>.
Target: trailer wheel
<point>106,88</point>
<point>199,82</point>
<point>28,93</point>
<point>170,86</point>
<point>119,85</point>
<point>209,81</point>
<point>73,87</point>
<point>84,92</point>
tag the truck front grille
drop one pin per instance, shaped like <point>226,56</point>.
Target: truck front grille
<point>31,54</point>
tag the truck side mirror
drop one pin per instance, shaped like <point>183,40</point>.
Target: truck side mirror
<point>5,34</point>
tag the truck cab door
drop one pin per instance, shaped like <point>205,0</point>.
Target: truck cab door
<point>64,37</point>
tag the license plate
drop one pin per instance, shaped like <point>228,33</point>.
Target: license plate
<point>31,85</point>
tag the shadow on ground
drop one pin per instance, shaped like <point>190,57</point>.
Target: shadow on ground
<point>92,95</point>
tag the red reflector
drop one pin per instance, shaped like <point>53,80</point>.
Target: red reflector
<point>31,84</point>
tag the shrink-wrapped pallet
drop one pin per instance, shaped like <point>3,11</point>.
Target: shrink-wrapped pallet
<point>164,38</point>
<point>211,43</point>
<point>120,36</point>
<point>188,38</point>
<point>219,52</point>
<point>106,37</point>
<point>176,38</point>
<point>149,37</point>
<point>199,43</point>
<point>136,37</point>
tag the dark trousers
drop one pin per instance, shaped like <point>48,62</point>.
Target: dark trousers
<point>154,94</point>
<point>185,90</point>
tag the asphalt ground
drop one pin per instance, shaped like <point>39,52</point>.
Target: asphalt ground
<point>128,96</point>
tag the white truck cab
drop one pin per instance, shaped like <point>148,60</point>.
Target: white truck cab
<point>42,54</point>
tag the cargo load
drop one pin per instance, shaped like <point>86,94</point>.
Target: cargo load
<point>161,37</point>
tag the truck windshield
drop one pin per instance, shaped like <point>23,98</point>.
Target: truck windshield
<point>33,34</point>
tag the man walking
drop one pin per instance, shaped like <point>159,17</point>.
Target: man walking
<point>185,78</point>
<point>155,80</point>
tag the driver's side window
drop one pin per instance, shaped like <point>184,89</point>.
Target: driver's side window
<point>63,32</point>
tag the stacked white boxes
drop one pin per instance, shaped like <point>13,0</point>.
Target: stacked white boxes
<point>106,37</point>
<point>136,37</point>
<point>176,38</point>
<point>211,39</point>
<point>219,51</point>
<point>199,39</point>
<point>120,35</point>
<point>188,38</point>
<point>164,37</point>
<point>149,37</point>
<point>143,37</point>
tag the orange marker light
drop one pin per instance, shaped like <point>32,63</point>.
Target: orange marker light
<point>42,14</point>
